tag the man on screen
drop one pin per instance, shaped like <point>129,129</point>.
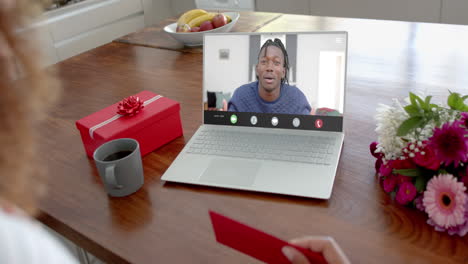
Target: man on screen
<point>271,93</point>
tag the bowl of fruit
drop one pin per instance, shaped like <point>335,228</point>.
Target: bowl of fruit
<point>191,25</point>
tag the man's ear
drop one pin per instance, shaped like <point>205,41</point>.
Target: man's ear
<point>256,70</point>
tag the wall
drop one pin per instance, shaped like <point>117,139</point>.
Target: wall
<point>406,10</point>
<point>454,12</point>
<point>225,75</point>
<point>436,11</point>
<point>180,6</point>
<point>308,67</point>
<point>281,6</point>
<point>156,10</point>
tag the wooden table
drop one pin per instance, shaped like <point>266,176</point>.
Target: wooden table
<point>169,223</point>
<point>155,37</point>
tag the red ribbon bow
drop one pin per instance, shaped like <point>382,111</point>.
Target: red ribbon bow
<point>130,106</point>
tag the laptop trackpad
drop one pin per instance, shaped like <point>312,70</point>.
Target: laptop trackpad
<point>231,172</point>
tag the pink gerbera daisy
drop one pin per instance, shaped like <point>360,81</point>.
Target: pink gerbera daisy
<point>444,201</point>
<point>460,230</point>
<point>450,144</point>
<point>418,202</point>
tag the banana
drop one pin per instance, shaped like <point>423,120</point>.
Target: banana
<point>196,22</point>
<point>190,15</point>
<point>229,19</point>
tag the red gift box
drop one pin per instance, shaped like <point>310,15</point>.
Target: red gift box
<point>156,124</point>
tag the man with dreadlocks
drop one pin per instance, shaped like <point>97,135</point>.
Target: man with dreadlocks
<point>271,93</point>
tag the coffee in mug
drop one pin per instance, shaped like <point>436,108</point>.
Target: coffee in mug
<point>120,167</point>
<point>118,155</point>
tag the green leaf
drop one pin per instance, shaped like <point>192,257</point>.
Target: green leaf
<point>452,100</point>
<point>456,102</point>
<point>442,171</point>
<point>433,106</point>
<point>416,172</point>
<point>428,99</point>
<point>420,183</point>
<point>427,103</point>
<point>420,101</point>
<point>412,110</point>
<point>409,124</point>
<point>412,98</point>
<point>437,120</point>
<point>416,101</point>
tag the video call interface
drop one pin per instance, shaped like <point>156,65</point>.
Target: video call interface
<point>282,80</point>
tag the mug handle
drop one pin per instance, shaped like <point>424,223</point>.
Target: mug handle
<point>110,177</point>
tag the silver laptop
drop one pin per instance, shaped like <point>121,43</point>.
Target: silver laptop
<point>273,112</point>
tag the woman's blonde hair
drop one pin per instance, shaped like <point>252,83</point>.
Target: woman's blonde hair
<point>26,89</point>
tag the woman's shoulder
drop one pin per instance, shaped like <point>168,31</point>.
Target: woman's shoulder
<point>24,241</point>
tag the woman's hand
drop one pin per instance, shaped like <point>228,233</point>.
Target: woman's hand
<point>325,245</point>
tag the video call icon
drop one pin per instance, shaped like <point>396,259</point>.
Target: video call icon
<point>274,121</point>
<point>296,122</point>
<point>253,120</point>
<point>318,123</point>
<point>233,119</point>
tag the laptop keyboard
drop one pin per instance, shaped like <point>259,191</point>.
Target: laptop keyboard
<point>251,145</point>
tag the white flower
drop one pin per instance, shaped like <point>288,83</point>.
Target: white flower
<point>389,118</point>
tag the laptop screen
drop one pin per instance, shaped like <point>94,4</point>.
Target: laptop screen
<point>275,80</point>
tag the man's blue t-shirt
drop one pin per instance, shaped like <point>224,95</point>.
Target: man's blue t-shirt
<point>247,99</point>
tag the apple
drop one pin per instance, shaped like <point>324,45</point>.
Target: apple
<point>219,20</point>
<point>207,25</point>
<point>183,28</point>
<point>195,29</point>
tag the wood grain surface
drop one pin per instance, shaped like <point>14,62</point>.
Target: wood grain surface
<point>169,223</point>
<point>155,37</point>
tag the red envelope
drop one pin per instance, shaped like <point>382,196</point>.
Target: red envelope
<point>255,243</point>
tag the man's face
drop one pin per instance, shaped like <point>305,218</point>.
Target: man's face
<point>270,68</point>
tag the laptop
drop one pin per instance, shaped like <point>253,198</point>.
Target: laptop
<point>273,113</point>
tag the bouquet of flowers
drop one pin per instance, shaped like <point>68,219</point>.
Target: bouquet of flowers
<point>422,158</point>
